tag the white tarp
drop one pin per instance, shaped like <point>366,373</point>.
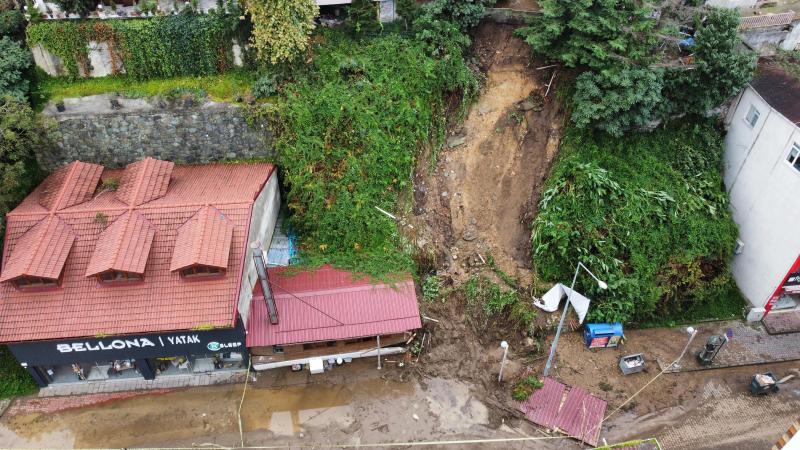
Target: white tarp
<point>553,297</point>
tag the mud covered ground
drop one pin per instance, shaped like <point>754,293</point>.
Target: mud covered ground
<point>481,197</point>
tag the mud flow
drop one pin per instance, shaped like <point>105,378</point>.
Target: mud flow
<point>480,199</point>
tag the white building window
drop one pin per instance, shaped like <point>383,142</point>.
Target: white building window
<point>752,116</point>
<point>794,156</point>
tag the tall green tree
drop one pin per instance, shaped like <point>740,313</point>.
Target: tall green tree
<point>721,69</point>
<point>22,133</point>
<point>15,61</point>
<point>591,33</point>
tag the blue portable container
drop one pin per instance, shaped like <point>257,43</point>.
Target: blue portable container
<point>602,335</point>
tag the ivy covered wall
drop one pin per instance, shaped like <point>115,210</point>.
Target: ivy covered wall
<point>157,47</point>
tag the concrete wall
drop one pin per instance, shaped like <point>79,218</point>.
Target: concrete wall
<point>262,227</point>
<point>766,40</point>
<point>765,196</point>
<point>509,16</point>
<point>732,3</point>
<point>92,130</point>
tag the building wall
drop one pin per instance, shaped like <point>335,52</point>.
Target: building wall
<point>344,346</point>
<point>731,3</point>
<point>765,196</point>
<point>262,227</point>
<point>91,129</point>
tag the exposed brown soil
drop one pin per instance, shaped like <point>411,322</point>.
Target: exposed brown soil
<point>480,199</point>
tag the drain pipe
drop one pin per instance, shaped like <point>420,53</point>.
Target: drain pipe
<point>379,352</point>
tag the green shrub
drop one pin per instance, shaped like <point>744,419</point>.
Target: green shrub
<point>15,61</point>
<point>157,47</point>
<point>14,380</point>
<point>362,17</point>
<point>524,388</point>
<point>347,144</point>
<point>431,288</point>
<point>12,22</point>
<point>80,7</point>
<point>265,86</point>
<point>647,213</point>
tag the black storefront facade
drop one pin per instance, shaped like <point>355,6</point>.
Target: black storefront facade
<point>147,356</point>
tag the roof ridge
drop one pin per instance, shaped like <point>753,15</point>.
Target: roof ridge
<point>63,188</point>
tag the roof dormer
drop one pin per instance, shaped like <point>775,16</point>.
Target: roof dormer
<point>40,253</point>
<point>203,244</point>
<point>144,181</point>
<point>123,247</point>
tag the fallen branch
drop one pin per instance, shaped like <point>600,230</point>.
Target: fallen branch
<point>428,318</point>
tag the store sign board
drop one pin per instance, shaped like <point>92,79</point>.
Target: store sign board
<point>792,280</point>
<point>131,346</point>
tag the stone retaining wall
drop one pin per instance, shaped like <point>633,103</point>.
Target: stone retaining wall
<point>92,129</point>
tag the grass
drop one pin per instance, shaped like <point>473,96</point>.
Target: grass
<point>223,88</point>
<point>14,380</point>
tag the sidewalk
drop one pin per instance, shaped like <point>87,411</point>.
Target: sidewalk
<point>137,384</point>
<point>751,344</point>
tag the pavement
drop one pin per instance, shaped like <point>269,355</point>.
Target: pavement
<point>138,384</point>
<point>751,345</point>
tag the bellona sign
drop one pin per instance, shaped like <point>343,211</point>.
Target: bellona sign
<point>131,346</point>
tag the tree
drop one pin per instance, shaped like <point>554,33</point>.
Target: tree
<point>22,133</point>
<point>362,16</point>
<point>281,28</point>
<point>80,7</point>
<point>720,70</point>
<point>592,33</point>
<point>14,63</point>
<point>617,100</point>
<point>408,10</point>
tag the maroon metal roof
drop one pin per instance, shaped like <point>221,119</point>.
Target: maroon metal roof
<point>778,88</point>
<point>581,416</point>
<point>542,406</point>
<point>329,304</point>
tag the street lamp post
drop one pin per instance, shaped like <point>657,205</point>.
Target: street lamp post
<point>504,346</point>
<point>601,284</point>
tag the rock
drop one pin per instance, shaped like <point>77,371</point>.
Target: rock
<point>444,194</point>
<point>415,417</point>
<point>529,342</point>
<point>455,141</point>
<point>485,109</point>
<point>529,105</point>
<point>470,234</point>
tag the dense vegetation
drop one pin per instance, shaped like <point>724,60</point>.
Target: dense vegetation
<point>634,70</point>
<point>227,87</point>
<point>649,214</point>
<point>347,138</point>
<point>157,47</point>
<point>281,28</point>
<point>14,380</point>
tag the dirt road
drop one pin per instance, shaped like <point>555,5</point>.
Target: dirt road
<point>481,197</point>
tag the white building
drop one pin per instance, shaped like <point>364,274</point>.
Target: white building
<point>762,176</point>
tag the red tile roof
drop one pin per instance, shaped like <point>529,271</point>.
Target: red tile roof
<point>205,240</point>
<point>330,304</point>
<point>163,301</point>
<point>123,246</point>
<point>72,184</point>
<point>42,251</point>
<point>144,181</point>
<point>766,20</point>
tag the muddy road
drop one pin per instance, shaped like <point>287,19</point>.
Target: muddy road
<point>481,197</point>
<point>353,404</point>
